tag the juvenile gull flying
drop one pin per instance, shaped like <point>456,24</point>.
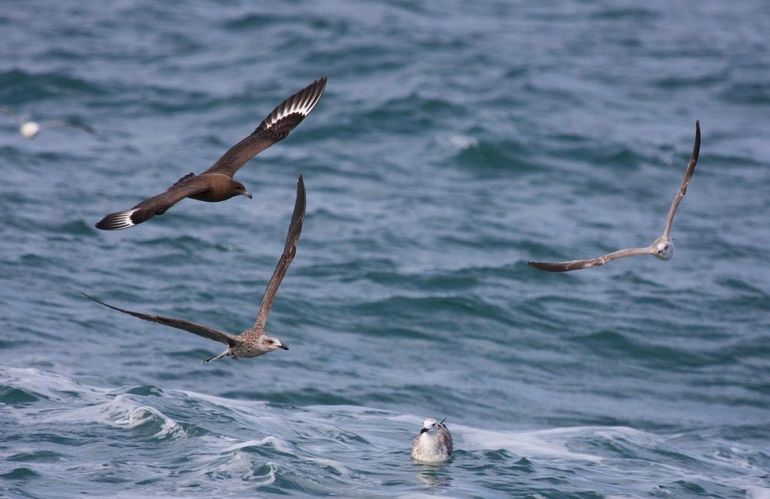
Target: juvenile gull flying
<point>253,341</point>
<point>662,247</point>
<point>29,129</point>
<point>434,442</point>
<point>217,183</point>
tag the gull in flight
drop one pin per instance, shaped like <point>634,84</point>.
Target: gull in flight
<point>434,442</point>
<point>217,183</point>
<point>253,341</point>
<point>29,129</point>
<point>662,247</point>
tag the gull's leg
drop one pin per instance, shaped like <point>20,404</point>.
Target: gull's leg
<point>223,354</point>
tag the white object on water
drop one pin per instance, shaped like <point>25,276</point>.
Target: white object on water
<point>29,129</point>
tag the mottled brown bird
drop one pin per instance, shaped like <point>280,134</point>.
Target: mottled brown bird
<point>217,183</point>
<point>253,341</point>
<point>662,248</point>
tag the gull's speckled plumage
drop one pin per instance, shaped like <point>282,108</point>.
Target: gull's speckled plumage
<point>253,341</point>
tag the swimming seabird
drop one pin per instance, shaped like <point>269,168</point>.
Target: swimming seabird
<point>434,442</point>
<point>217,183</point>
<point>662,248</point>
<point>253,341</point>
<point>29,129</point>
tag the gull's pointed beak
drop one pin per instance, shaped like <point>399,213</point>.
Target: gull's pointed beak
<point>247,194</point>
<point>284,347</point>
<point>423,431</point>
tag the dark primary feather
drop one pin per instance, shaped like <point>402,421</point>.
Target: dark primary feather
<point>192,327</point>
<point>274,128</point>
<point>685,181</point>
<point>559,266</point>
<point>289,250</point>
<point>188,185</point>
<point>292,111</point>
<point>589,262</point>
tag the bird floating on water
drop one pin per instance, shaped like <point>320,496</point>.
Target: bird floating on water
<point>253,341</point>
<point>434,442</point>
<point>30,129</point>
<point>217,183</point>
<point>662,248</point>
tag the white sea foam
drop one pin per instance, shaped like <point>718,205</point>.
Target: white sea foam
<point>336,465</point>
<point>275,442</point>
<point>52,386</point>
<point>78,403</point>
<point>119,412</point>
<point>456,142</point>
<point>422,495</point>
<point>550,443</point>
<point>755,492</point>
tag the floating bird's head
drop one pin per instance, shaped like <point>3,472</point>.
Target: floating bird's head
<point>29,129</point>
<point>430,425</point>
<point>663,248</point>
<point>269,344</point>
<point>240,190</point>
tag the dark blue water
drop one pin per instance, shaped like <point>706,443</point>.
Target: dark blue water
<point>455,142</point>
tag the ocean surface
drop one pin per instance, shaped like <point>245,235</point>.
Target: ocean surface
<point>455,142</point>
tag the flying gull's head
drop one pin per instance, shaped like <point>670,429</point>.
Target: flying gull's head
<point>663,248</point>
<point>270,343</point>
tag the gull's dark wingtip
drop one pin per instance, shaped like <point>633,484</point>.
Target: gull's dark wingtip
<point>297,217</point>
<point>547,267</point>
<point>696,144</point>
<point>92,298</point>
<point>301,200</point>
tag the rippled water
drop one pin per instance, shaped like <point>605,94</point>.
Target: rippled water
<point>455,142</point>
